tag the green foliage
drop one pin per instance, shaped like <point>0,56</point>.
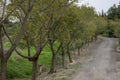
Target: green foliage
<point>114,12</point>
<point>20,69</point>
<point>86,13</point>
<point>101,24</point>
<point>113,16</point>
<point>115,26</point>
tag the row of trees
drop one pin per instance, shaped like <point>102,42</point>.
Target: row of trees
<point>45,22</point>
<point>113,16</point>
<point>115,28</point>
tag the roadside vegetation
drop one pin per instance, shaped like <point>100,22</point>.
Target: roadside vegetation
<point>113,16</point>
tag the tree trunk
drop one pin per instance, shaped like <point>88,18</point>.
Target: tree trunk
<point>52,69</point>
<point>85,44</point>
<point>88,43</point>
<point>69,55</point>
<point>34,69</point>
<point>63,58</point>
<point>78,51</point>
<point>95,37</point>
<point>3,69</point>
<point>119,41</point>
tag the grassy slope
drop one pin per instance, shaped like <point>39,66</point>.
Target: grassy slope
<point>21,68</point>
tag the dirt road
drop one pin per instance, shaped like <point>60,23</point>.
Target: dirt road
<point>102,64</point>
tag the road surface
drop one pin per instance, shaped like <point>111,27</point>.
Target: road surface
<point>102,65</point>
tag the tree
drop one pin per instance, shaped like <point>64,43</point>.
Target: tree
<point>113,16</point>
<point>5,55</point>
<point>55,14</point>
<point>114,12</point>
<point>115,26</point>
<point>35,35</point>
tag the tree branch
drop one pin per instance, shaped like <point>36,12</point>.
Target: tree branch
<point>4,8</point>
<point>11,12</point>
<point>13,43</point>
<point>1,43</point>
<point>28,45</point>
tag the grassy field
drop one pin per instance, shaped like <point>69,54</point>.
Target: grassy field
<point>19,67</point>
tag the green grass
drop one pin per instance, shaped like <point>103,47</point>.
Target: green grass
<point>19,67</point>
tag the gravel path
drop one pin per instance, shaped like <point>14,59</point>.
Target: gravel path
<point>102,64</point>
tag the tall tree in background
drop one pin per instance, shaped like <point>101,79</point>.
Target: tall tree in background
<point>113,16</point>
<point>114,12</point>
